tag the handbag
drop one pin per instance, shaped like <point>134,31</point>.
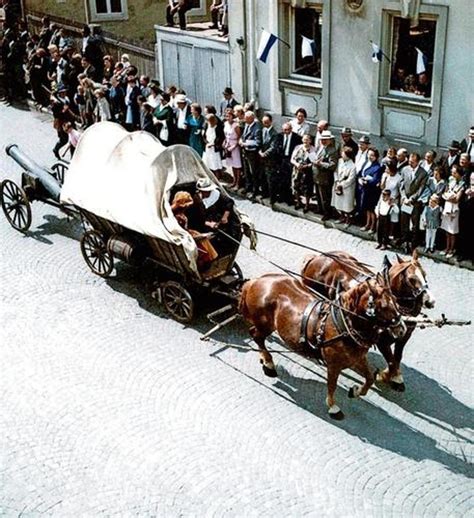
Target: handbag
<point>164,132</point>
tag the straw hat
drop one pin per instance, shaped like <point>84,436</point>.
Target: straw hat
<point>204,184</point>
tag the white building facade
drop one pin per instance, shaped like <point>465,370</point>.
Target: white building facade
<point>420,94</point>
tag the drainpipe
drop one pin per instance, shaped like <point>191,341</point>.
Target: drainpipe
<point>86,11</point>
<point>252,71</point>
<point>242,43</point>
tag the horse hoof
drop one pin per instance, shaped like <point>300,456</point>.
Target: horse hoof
<point>271,373</point>
<point>338,416</point>
<point>397,387</point>
<point>352,392</point>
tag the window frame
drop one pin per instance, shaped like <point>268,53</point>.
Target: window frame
<point>199,11</point>
<point>317,81</point>
<point>109,16</point>
<point>408,95</point>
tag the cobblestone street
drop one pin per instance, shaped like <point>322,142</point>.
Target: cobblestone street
<point>109,407</point>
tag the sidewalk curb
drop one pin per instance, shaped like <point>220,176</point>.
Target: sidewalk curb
<point>352,230</point>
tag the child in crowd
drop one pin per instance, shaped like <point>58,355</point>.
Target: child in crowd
<point>431,221</point>
<point>80,101</point>
<point>73,136</point>
<point>102,108</point>
<point>387,213</point>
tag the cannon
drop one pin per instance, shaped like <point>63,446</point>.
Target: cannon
<point>37,183</point>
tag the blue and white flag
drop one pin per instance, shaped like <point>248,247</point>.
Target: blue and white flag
<point>376,53</point>
<point>421,62</point>
<point>266,43</point>
<point>308,47</point>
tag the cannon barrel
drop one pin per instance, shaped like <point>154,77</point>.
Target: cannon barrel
<point>43,175</point>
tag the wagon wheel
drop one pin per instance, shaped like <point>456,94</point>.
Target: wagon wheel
<point>95,253</point>
<point>59,169</point>
<point>177,301</point>
<point>236,270</point>
<point>16,206</point>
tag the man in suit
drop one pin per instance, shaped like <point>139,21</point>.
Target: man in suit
<point>228,101</point>
<point>250,143</point>
<point>467,145</point>
<point>268,173</point>
<point>323,172</point>
<point>347,140</point>
<point>450,158</point>
<point>411,198</point>
<point>285,145</point>
<point>180,130</point>
<point>402,159</point>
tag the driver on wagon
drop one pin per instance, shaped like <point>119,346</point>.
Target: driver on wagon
<point>219,214</point>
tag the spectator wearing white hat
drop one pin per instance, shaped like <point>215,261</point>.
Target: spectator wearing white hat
<point>182,112</point>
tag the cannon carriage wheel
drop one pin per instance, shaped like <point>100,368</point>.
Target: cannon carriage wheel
<point>59,169</point>
<point>177,301</point>
<point>16,205</point>
<point>95,253</point>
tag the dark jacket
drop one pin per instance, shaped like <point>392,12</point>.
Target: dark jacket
<point>295,140</point>
<point>269,143</point>
<point>443,162</point>
<point>252,136</point>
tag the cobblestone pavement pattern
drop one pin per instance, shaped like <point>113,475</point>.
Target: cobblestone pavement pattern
<point>110,408</point>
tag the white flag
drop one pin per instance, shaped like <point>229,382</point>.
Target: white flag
<point>308,47</point>
<point>267,41</point>
<point>421,62</point>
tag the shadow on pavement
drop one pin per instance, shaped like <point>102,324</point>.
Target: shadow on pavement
<point>370,423</point>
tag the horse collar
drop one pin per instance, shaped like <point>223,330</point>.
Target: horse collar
<point>343,328</point>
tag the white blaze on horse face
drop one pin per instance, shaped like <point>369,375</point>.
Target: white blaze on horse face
<point>428,299</point>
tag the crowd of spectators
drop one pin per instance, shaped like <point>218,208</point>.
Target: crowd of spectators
<point>393,193</point>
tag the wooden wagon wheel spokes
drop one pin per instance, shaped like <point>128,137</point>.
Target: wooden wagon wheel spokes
<point>95,253</point>
<point>16,206</point>
<point>177,301</point>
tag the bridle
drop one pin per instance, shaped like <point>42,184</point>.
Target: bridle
<point>413,300</point>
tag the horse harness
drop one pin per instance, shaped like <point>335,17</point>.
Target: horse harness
<point>323,309</point>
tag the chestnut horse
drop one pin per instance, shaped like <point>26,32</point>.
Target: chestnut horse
<point>408,285</point>
<point>340,333</point>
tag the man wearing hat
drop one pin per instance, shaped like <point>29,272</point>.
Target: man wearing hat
<point>219,214</point>
<point>182,112</point>
<point>450,158</point>
<point>347,140</point>
<point>323,172</point>
<point>228,102</point>
<point>62,114</point>
<point>467,145</point>
<point>362,159</point>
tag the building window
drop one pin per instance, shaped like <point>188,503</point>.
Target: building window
<point>197,7</point>
<point>307,31</point>
<point>108,9</point>
<point>412,57</point>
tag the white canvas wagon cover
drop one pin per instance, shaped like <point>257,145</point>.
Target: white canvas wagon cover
<point>126,178</point>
